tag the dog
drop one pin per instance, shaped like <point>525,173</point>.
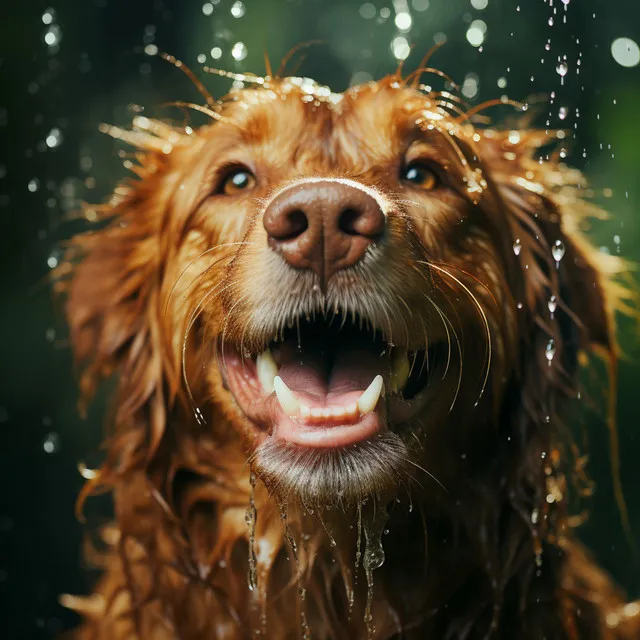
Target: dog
<point>346,330</point>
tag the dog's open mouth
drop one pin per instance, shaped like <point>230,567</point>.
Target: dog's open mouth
<point>331,383</point>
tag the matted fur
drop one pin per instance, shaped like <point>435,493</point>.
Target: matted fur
<point>473,493</point>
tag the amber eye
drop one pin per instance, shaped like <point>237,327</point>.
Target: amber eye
<point>237,180</point>
<point>420,175</point>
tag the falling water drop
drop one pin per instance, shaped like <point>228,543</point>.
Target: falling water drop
<point>558,250</point>
<point>51,443</point>
<point>562,69</point>
<point>239,51</point>
<point>238,9</point>
<point>550,350</point>
<point>517,246</point>
<point>552,304</point>
<point>562,114</point>
<point>54,138</point>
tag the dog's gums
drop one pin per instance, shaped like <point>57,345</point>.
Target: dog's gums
<point>346,330</point>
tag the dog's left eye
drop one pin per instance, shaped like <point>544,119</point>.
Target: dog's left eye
<point>237,180</point>
<point>420,175</point>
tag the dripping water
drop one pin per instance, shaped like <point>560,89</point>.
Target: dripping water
<point>293,549</point>
<point>373,558</point>
<point>332,541</point>
<point>250,518</point>
<point>357,562</point>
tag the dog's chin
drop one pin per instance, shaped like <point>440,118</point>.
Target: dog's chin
<point>328,477</point>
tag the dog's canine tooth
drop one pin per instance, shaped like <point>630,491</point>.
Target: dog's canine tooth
<point>400,369</point>
<point>289,403</point>
<point>267,370</point>
<point>369,399</point>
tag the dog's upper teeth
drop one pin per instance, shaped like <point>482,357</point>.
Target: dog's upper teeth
<point>400,369</point>
<point>369,399</point>
<point>289,403</point>
<point>267,370</point>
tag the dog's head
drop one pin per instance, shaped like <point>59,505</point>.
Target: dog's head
<point>362,288</point>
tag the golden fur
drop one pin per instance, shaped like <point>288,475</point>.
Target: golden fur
<point>480,542</point>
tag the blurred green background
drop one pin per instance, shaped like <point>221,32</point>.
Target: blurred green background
<point>68,66</point>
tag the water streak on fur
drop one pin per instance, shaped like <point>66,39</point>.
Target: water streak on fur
<point>251,517</point>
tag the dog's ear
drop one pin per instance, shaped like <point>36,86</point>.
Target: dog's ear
<point>546,213</point>
<point>111,282</point>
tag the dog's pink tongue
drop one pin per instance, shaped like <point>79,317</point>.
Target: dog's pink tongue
<point>323,376</point>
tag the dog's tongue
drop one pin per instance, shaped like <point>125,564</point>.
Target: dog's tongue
<point>322,374</point>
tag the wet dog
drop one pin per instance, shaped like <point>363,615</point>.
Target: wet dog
<point>345,329</point>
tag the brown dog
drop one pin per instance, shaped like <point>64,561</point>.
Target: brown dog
<point>345,329</point>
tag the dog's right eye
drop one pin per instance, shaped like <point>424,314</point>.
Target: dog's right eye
<point>235,181</point>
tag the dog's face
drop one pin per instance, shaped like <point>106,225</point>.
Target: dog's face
<point>348,280</point>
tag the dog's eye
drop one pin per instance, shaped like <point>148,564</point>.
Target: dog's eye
<point>420,175</point>
<point>237,180</point>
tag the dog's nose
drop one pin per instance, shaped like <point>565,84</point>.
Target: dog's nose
<point>323,225</point>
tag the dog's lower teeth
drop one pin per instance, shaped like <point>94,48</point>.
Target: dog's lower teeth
<point>267,370</point>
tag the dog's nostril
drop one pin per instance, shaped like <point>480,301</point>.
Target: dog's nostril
<point>347,221</point>
<point>297,224</point>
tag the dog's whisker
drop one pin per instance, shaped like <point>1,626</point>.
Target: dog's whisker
<point>207,269</point>
<point>483,316</point>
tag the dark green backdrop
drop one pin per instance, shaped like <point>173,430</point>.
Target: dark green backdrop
<point>65,69</point>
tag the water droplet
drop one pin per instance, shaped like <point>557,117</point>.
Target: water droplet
<point>550,350</point>
<point>562,69</point>
<point>48,16</point>
<point>517,246</point>
<point>53,35</point>
<point>551,22</point>
<point>552,304</point>
<point>33,185</point>
<point>400,48</point>
<point>51,443</point>
<point>558,250</point>
<point>207,8</point>
<point>54,138</point>
<point>562,114</point>
<point>476,32</point>
<point>238,9</point>
<point>239,51</point>
<point>403,20</point>
<point>625,52</point>
<point>514,137</point>
<point>368,11</point>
